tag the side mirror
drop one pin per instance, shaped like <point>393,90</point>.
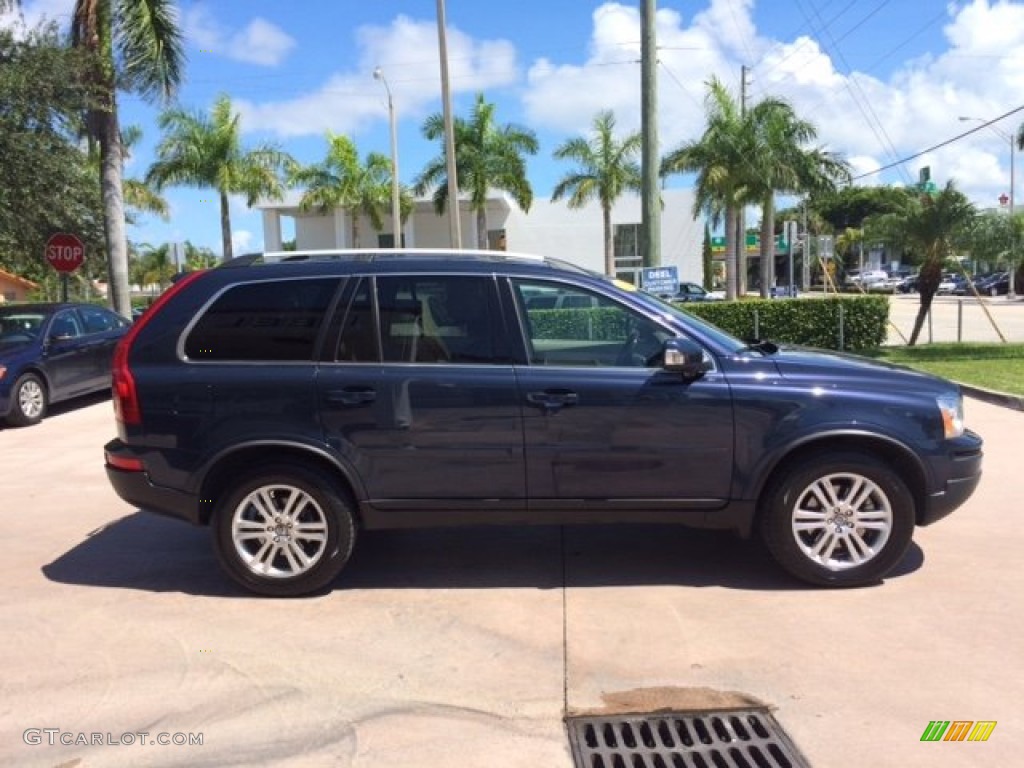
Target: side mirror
<point>685,357</point>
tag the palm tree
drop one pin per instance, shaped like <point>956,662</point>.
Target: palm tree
<point>607,168</point>
<point>781,164</point>
<point>341,180</point>
<point>198,258</point>
<point>155,266</point>
<point>849,239</point>
<point>206,152</point>
<point>136,47</point>
<point>139,196</point>
<point>487,156</point>
<point>720,159</point>
<point>932,226</point>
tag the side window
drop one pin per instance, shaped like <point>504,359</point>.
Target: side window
<point>358,341</point>
<point>267,321</point>
<point>66,325</point>
<point>98,320</point>
<point>439,319</point>
<point>570,326</point>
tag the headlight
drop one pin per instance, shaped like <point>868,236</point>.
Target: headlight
<point>952,409</point>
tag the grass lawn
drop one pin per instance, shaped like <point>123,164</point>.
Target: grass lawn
<point>998,367</point>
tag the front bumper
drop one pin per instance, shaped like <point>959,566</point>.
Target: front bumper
<point>962,477</point>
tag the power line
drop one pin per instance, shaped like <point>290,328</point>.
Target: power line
<point>940,145</point>
<point>860,99</point>
<point>799,47</point>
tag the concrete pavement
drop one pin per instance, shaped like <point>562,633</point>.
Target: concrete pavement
<point>466,647</point>
<point>957,318</point>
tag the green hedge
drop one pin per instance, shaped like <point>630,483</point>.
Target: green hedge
<point>807,322</point>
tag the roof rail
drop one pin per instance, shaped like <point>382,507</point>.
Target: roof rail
<point>370,254</point>
<point>244,261</point>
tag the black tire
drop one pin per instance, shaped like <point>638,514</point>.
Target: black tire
<point>823,546</point>
<point>28,401</point>
<point>264,553</point>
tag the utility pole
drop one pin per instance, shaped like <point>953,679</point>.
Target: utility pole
<point>741,214</point>
<point>744,71</point>
<point>650,200</point>
<point>454,226</point>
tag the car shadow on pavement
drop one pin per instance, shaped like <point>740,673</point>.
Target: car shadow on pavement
<point>146,552</point>
<point>66,406</point>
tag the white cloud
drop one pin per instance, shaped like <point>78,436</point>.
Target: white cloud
<point>407,52</point>
<point>260,42</point>
<point>241,241</point>
<point>32,12</point>
<point>566,97</point>
<point>872,120</point>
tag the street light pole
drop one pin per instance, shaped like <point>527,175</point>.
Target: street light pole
<point>396,194</point>
<point>1010,293</point>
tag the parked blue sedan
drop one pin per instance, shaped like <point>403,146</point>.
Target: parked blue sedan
<point>53,352</point>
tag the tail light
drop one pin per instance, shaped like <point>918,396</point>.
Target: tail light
<point>125,394</point>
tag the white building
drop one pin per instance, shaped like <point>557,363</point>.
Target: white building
<point>549,229</point>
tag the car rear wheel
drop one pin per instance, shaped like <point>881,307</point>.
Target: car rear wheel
<point>28,401</point>
<point>284,530</point>
<point>841,519</point>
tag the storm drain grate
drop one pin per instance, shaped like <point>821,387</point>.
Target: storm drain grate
<point>740,738</point>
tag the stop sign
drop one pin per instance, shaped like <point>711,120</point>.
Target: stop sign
<point>65,252</point>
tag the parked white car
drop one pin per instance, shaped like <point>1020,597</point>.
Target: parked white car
<point>888,285</point>
<point>869,277</point>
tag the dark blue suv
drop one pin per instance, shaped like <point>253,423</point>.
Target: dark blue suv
<point>290,400</point>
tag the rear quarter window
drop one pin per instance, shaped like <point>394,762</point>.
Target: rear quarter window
<point>266,321</point>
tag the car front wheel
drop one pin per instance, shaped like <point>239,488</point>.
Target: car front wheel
<point>28,401</point>
<point>840,519</point>
<point>284,531</point>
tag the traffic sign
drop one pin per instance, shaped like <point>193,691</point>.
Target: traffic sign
<point>660,280</point>
<point>65,252</point>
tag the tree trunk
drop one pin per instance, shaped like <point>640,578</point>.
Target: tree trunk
<point>922,314</point>
<point>108,133</point>
<point>225,227</point>
<point>741,251</point>
<point>928,279</point>
<point>731,254</point>
<point>767,247</point>
<point>609,240</point>
<point>481,228</point>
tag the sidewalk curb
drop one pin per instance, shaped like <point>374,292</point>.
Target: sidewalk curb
<point>995,398</point>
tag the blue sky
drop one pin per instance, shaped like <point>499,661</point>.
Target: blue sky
<point>881,79</point>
